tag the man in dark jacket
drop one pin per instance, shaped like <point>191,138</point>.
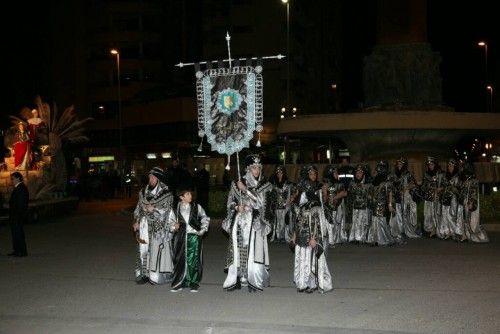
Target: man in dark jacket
<point>18,214</point>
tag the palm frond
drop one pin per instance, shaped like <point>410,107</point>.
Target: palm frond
<point>66,118</point>
<point>75,124</point>
<point>53,117</point>
<point>16,120</point>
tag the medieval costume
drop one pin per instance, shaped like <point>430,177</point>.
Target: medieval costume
<point>448,225</point>
<point>35,124</point>
<point>281,194</point>
<point>22,148</point>
<point>381,197</point>
<point>404,222</point>
<point>432,187</point>
<point>335,207</point>
<point>468,212</point>
<point>358,196</point>
<point>154,257</point>
<point>190,223</point>
<point>310,269</point>
<point>248,225</point>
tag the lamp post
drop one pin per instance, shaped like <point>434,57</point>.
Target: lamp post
<point>490,90</point>
<point>484,45</point>
<point>116,53</point>
<point>287,3</point>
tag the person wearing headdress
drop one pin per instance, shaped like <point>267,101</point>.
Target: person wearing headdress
<point>248,224</point>
<point>310,236</point>
<point>282,195</point>
<point>468,212</point>
<point>404,222</point>
<point>154,256</point>
<point>21,147</point>
<point>358,196</point>
<point>189,223</point>
<point>448,226</point>
<point>432,186</point>
<point>382,206</point>
<point>335,207</point>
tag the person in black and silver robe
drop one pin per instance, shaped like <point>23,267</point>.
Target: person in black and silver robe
<point>432,186</point>
<point>248,224</point>
<point>448,225</point>
<point>358,195</point>
<point>381,200</point>
<point>404,222</point>
<point>281,195</point>
<point>189,222</point>
<point>154,257</point>
<point>468,212</point>
<point>310,268</point>
<point>335,208</point>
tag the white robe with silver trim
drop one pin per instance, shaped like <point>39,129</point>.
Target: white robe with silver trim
<point>248,232</point>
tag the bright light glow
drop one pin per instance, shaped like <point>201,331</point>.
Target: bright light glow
<point>334,86</point>
<point>328,156</point>
<point>283,109</point>
<point>114,51</point>
<point>101,107</point>
<point>151,156</point>
<point>481,43</point>
<point>282,116</point>
<point>495,189</point>
<point>489,88</point>
<point>293,116</point>
<point>284,1</point>
<point>166,155</point>
<point>294,109</point>
<point>484,154</point>
<point>102,158</point>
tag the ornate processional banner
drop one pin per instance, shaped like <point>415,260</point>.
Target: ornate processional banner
<point>230,106</point>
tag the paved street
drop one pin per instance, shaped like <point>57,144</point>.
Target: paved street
<point>79,279</point>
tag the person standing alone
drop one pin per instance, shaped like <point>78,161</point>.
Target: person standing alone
<point>18,214</point>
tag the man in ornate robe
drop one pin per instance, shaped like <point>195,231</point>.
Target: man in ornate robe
<point>248,225</point>
<point>404,222</point>
<point>335,208</point>
<point>154,257</point>
<point>310,267</point>
<point>282,194</point>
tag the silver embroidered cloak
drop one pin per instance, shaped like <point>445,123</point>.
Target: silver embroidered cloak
<point>404,222</point>
<point>248,254</point>
<point>154,257</point>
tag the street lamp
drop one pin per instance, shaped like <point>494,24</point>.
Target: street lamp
<point>490,90</point>
<point>116,53</point>
<point>484,45</point>
<point>287,3</point>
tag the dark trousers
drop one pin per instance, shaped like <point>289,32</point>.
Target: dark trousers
<point>18,240</point>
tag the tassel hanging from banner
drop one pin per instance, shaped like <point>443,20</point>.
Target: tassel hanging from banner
<point>200,148</point>
<point>228,167</point>
<point>258,142</point>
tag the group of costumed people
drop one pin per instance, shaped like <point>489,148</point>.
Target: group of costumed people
<point>251,218</point>
<point>25,139</point>
<point>310,215</point>
<point>381,209</point>
<point>169,234</point>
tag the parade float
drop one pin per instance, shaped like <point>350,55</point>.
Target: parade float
<point>35,149</point>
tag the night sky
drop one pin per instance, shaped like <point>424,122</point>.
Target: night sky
<point>453,30</point>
